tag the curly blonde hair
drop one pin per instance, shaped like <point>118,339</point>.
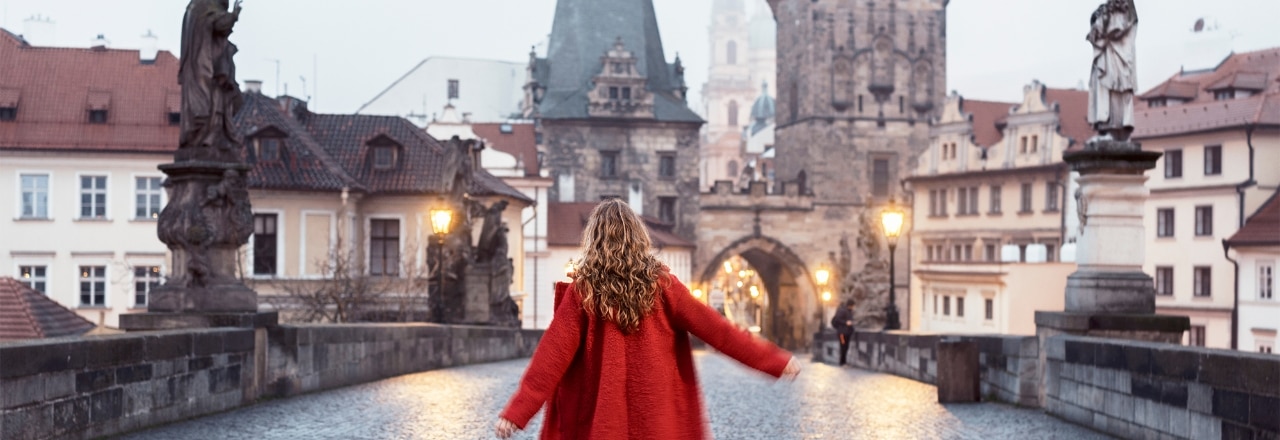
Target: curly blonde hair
<point>618,277</point>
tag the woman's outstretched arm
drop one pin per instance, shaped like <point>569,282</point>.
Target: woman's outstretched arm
<point>550,360</point>
<point>695,317</point>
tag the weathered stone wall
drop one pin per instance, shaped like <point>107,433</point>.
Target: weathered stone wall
<point>88,387</point>
<point>1148,390</point>
<point>1006,364</point>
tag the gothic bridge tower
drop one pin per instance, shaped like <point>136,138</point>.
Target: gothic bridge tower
<point>858,83</point>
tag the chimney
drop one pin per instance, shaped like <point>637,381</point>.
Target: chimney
<point>150,47</point>
<point>99,43</point>
<point>38,31</point>
<point>253,86</point>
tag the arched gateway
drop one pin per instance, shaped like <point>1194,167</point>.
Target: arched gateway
<point>788,309</point>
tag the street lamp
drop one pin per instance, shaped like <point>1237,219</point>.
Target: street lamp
<point>441,219</point>
<point>823,276</point>
<point>891,218</point>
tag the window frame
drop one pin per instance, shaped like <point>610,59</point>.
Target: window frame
<point>8,114</point>
<point>32,279</point>
<point>1051,197</point>
<point>1212,160</point>
<point>1163,281</point>
<point>47,191</point>
<point>667,165</point>
<point>879,188</point>
<point>1173,163</point>
<point>1026,199</point>
<point>989,309</point>
<point>1202,282</point>
<point>279,245</point>
<point>668,209</point>
<point>97,296</point>
<point>371,239</point>
<point>1166,223</point>
<point>105,192</point>
<point>996,203</point>
<point>1266,281</point>
<point>1204,221</point>
<point>379,152</point>
<point>613,159</point>
<point>99,117</point>
<point>1196,336</point>
<point>153,277</point>
<point>158,191</point>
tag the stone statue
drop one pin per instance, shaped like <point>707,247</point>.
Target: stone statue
<point>1113,80</point>
<point>210,95</point>
<point>493,237</point>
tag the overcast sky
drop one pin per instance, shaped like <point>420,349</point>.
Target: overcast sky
<point>348,51</point>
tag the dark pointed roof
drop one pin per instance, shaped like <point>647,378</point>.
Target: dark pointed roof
<point>28,314</point>
<point>582,33</point>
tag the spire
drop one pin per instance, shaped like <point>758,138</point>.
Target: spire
<point>583,30</point>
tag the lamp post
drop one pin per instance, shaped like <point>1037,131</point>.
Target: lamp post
<point>441,219</point>
<point>891,218</point>
<point>823,276</point>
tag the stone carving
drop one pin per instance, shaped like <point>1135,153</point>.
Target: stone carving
<point>493,240</point>
<point>1113,30</point>
<point>210,95</point>
<point>208,217</point>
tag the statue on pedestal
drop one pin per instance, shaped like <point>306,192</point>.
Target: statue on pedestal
<point>210,95</point>
<point>1113,79</point>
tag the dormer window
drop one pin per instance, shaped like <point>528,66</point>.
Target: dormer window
<point>1158,102</point>
<point>8,104</point>
<point>1223,95</point>
<point>613,93</point>
<point>97,116</point>
<point>626,93</point>
<point>175,118</point>
<point>268,149</point>
<point>8,113</point>
<point>384,157</point>
<point>98,103</point>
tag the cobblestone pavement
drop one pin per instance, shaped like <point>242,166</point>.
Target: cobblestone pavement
<point>462,403</point>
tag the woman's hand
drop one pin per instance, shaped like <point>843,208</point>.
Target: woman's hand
<point>791,371</point>
<point>504,428</point>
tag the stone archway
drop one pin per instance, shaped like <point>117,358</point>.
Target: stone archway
<point>794,310</point>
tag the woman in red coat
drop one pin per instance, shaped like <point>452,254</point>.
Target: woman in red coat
<point>615,362</point>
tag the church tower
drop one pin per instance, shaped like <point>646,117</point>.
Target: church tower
<point>612,114</point>
<point>742,59</point>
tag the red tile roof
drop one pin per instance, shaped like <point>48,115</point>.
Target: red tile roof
<point>986,116</point>
<point>56,87</point>
<point>1251,71</point>
<point>28,314</point>
<point>1073,111</point>
<point>565,222</point>
<point>521,141</point>
<point>1173,89</point>
<point>1262,228</point>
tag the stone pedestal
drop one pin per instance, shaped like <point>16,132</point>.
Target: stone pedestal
<point>475,302</point>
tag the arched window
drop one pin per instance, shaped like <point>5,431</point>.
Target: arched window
<point>731,53</point>
<point>733,168</point>
<point>733,113</point>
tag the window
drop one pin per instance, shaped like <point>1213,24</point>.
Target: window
<point>35,277</point>
<point>269,150</point>
<point>946,305</point>
<point>93,197</point>
<point>1222,95</point>
<point>175,118</point>
<point>618,68</point>
<point>990,306</point>
<point>968,252</point>
<point>973,200</point>
<point>1164,222</point>
<point>995,200</point>
<point>1213,160</point>
<point>613,93</point>
<point>733,168</point>
<point>1051,196</point>
<point>731,52</point>
<point>991,252</point>
<point>1172,164</point>
<point>1035,143</point>
<point>264,244</point>
<point>1022,145</point>
<point>929,250</point>
<point>8,113</point>
<point>35,195</point>
<point>1164,280</point>
<point>1204,220</point>
<point>667,165</point>
<point>859,104</point>
<point>935,304</point>
<point>1195,336</point>
<point>93,286</point>
<point>147,192</point>
<point>384,247</point>
<point>962,199</point>
<point>667,209</point>
<point>384,157</point>
<point>933,203</point>
<point>97,116</point>
<point>145,279</point>
<point>1049,254</point>
<point>1155,103</point>
<point>609,164</point>
<point>960,306</point>
<point>1264,348</point>
<point>626,93</point>
<point>1202,284</point>
<point>902,107</point>
<point>453,89</point>
<point>1266,280</point>
<point>733,113</point>
<point>957,252</point>
<point>1026,198</point>
<point>942,202</point>
<point>880,178</point>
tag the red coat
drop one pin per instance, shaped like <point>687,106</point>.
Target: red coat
<point>599,383</point>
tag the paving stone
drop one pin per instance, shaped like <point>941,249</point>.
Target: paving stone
<point>825,402</point>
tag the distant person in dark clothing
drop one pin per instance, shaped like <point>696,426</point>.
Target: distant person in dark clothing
<point>843,323</point>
